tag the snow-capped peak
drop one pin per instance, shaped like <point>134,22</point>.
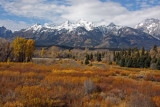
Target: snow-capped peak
<point>36,27</point>
<point>83,23</point>
<point>151,26</point>
<point>148,22</point>
<point>66,25</point>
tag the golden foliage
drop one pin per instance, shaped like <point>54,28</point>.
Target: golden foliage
<point>28,84</point>
<point>23,49</point>
<point>42,52</point>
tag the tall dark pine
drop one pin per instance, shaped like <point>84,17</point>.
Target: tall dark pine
<point>99,57</point>
<point>129,51</point>
<point>122,62</point>
<point>91,56</point>
<point>158,64</point>
<point>86,61</point>
<point>129,62</point>
<point>147,62</point>
<point>143,51</point>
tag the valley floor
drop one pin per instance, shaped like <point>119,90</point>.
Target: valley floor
<point>70,83</point>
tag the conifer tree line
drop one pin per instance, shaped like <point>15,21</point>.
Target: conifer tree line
<point>90,57</point>
<point>133,57</point>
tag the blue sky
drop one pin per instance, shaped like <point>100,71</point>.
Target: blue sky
<point>18,14</point>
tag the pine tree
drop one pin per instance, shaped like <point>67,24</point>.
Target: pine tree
<point>142,61</point>
<point>158,64</point>
<point>147,62</point>
<point>129,51</point>
<point>122,62</point>
<point>129,62</point>
<point>91,56</point>
<point>99,57</point>
<point>143,51</point>
<point>86,61</point>
<point>138,62</point>
<point>134,63</point>
<point>87,57</point>
<point>114,56</point>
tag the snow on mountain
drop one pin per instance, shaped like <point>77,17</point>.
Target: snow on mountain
<point>76,34</point>
<point>66,25</point>
<point>150,26</point>
<point>87,25</point>
<point>111,28</point>
<point>72,26</point>
<point>34,28</point>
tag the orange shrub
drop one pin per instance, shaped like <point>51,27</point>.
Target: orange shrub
<point>157,100</point>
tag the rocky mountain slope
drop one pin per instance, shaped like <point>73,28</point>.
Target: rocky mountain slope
<point>5,33</point>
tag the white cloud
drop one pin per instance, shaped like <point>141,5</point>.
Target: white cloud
<point>33,9</point>
<point>132,18</point>
<point>91,10</point>
<point>14,25</point>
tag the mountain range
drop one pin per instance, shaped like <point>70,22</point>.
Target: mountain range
<point>86,34</point>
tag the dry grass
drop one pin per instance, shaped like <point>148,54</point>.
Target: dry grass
<point>29,84</point>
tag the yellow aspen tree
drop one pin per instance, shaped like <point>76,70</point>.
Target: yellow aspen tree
<point>30,46</point>
<point>23,49</point>
<point>19,47</point>
<point>42,52</point>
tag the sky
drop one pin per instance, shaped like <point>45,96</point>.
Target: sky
<point>19,14</point>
